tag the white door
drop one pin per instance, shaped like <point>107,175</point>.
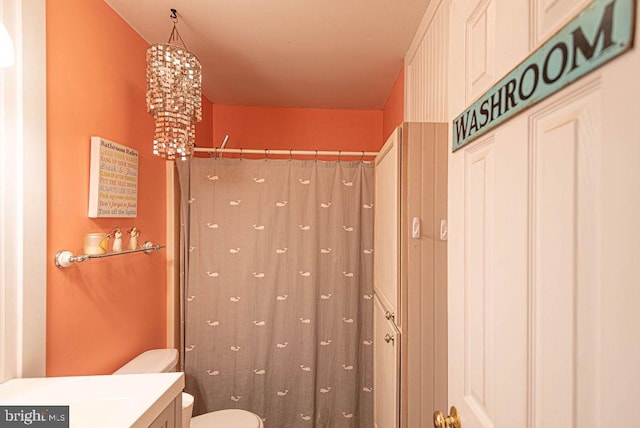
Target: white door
<point>386,368</point>
<point>544,234</point>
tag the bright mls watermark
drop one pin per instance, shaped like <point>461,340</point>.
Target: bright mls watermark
<point>34,416</point>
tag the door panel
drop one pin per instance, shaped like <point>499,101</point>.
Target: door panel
<point>480,48</point>
<point>488,290</point>
<point>548,16</point>
<point>565,258</point>
<point>479,283</point>
<point>386,366</point>
<point>478,51</point>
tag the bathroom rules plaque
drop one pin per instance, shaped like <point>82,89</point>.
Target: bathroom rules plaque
<point>113,182</point>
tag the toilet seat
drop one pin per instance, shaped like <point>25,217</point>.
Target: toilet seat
<point>228,418</point>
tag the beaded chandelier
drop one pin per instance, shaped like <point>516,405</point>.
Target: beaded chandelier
<point>174,87</point>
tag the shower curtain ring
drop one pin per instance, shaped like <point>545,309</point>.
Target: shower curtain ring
<point>240,153</point>
<point>290,154</point>
<point>266,154</point>
<point>316,157</point>
<point>362,157</point>
<point>339,155</point>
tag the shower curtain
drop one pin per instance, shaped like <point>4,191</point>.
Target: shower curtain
<point>278,297</point>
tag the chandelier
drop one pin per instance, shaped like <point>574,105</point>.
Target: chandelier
<point>174,87</point>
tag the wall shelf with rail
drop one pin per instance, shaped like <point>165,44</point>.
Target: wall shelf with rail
<point>66,258</point>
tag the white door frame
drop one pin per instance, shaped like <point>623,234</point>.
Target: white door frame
<point>23,198</point>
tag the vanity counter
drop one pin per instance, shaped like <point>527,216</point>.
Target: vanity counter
<point>113,401</point>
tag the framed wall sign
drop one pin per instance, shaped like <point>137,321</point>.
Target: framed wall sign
<point>113,180</point>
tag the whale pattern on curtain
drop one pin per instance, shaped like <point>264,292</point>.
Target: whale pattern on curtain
<point>278,308</point>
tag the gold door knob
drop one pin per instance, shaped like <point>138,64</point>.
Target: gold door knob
<point>451,421</point>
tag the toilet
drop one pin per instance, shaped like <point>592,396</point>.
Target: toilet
<point>164,361</point>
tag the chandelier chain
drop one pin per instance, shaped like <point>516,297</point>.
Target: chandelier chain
<point>175,36</point>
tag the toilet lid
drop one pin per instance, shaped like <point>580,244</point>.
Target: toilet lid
<point>235,418</point>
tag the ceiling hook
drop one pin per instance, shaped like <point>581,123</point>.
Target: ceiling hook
<point>174,15</point>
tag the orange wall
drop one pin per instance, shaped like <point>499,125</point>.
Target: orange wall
<point>394,107</point>
<point>297,129</point>
<point>204,128</point>
<point>100,313</point>
<point>103,312</point>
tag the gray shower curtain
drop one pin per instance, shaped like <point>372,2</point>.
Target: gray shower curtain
<point>278,298</point>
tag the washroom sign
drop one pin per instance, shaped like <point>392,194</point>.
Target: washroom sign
<point>594,37</point>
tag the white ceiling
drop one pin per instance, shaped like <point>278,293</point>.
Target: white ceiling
<point>342,54</point>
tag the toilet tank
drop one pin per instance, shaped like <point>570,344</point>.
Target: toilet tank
<point>152,361</point>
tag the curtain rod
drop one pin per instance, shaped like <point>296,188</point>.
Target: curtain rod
<point>267,152</point>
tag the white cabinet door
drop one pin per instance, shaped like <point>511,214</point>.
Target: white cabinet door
<point>171,416</point>
<point>386,367</point>
<point>386,274</point>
